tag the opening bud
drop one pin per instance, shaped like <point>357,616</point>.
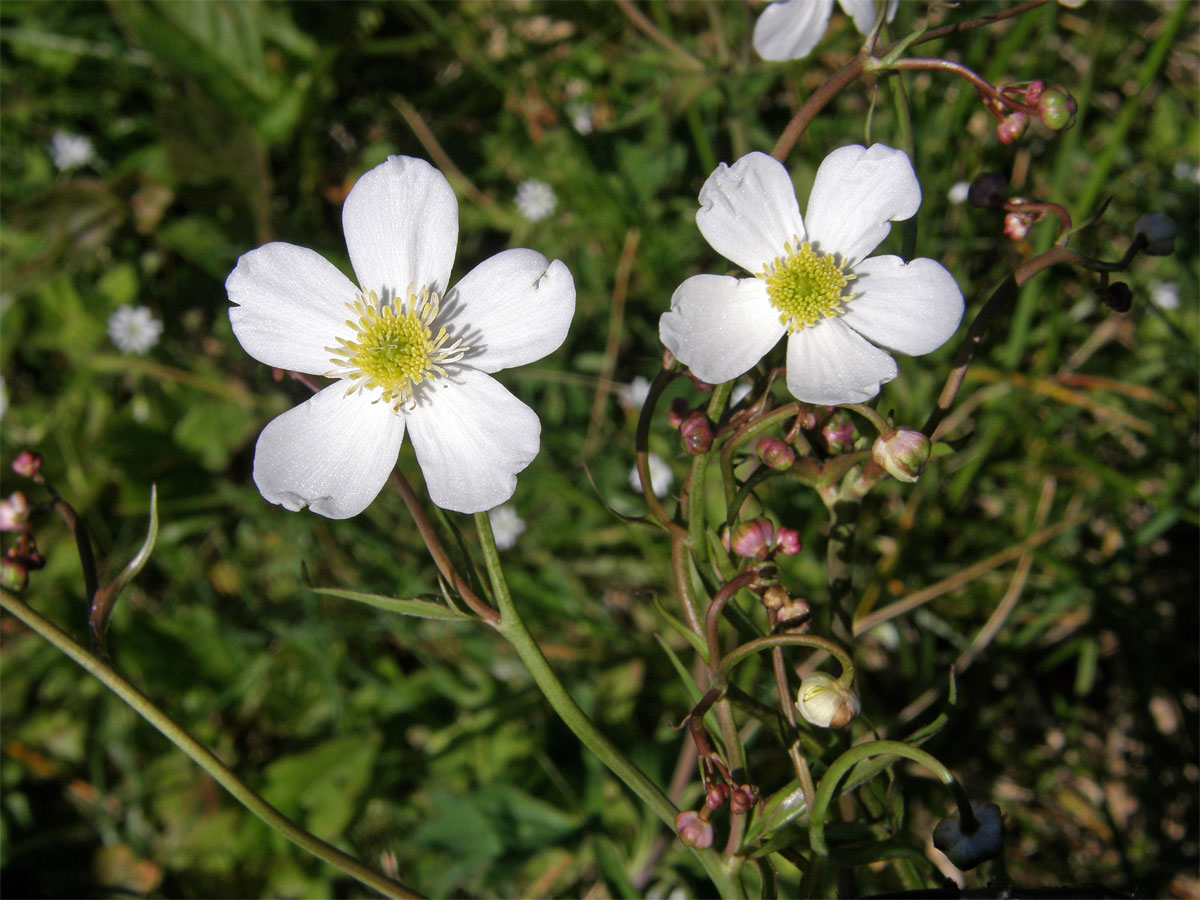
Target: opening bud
<point>696,434</point>
<point>27,464</point>
<point>967,850</point>
<point>1158,231</point>
<point>1012,127</point>
<point>902,453</point>
<point>14,512</point>
<point>1117,296</point>
<point>823,702</point>
<point>1056,108</point>
<point>776,453</point>
<point>14,575</point>
<point>751,539</point>
<point>743,799</point>
<point>1016,225</point>
<point>988,190</point>
<point>787,541</point>
<point>715,795</point>
<point>693,830</point>
<point>839,433</point>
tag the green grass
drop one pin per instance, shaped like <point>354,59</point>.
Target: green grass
<point>422,746</point>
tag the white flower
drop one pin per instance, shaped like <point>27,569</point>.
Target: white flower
<point>661,475</point>
<point>507,526</point>
<point>582,116</point>
<point>740,392</point>
<point>70,151</point>
<point>791,28</point>
<point>407,354</point>
<point>133,329</point>
<point>823,702</point>
<point>1185,171</point>
<point>633,395</point>
<point>812,283</point>
<point>1164,294</point>
<point>535,200</point>
<point>958,192</point>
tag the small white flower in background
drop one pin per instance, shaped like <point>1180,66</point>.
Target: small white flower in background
<point>410,355</point>
<point>791,28</point>
<point>133,329</point>
<point>1164,294</point>
<point>582,114</point>
<point>70,151</point>
<point>1185,171</point>
<point>507,526</point>
<point>535,200</point>
<point>633,395</point>
<point>813,281</point>
<point>661,475</point>
<point>958,192</point>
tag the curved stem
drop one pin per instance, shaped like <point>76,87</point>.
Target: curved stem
<point>817,642</point>
<point>201,755</point>
<point>852,757</point>
<point>513,629</point>
<point>712,618</point>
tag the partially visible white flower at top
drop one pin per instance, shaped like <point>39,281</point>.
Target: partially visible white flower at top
<point>740,392</point>
<point>70,151</point>
<point>507,526</point>
<point>661,475</point>
<point>408,355</point>
<point>633,395</point>
<point>958,192</point>
<point>1164,294</point>
<point>535,200</point>
<point>790,29</point>
<point>813,281</point>
<point>133,329</point>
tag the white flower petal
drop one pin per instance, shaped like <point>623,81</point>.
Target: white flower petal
<point>332,453</point>
<point>401,224</point>
<point>858,192</point>
<point>831,364</point>
<point>472,437</point>
<point>291,303</point>
<point>790,29</point>
<point>863,13</point>
<point>748,211</point>
<point>719,326</point>
<point>511,309</point>
<point>913,308</point>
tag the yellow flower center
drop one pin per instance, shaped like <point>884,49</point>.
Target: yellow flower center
<point>392,347</point>
<point>806,286</point>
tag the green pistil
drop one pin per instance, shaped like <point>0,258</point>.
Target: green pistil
<point>806,286</point>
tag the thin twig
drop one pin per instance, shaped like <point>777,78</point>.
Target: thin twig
<point>616,318</point>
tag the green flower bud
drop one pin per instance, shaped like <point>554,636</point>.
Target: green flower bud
<point>1056,108</point>
<point>902,453</point>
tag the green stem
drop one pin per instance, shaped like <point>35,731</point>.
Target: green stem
<point>733,657</point>
<point>852,757</point>
<point>201,755</point>
<point>513,629</point>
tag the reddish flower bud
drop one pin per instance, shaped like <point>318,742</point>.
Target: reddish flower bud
<point>715,795</point>
<point>1016,226</point>
<point>693,831</point>
<point>14,512</point>
<point>27,464</point>
<point>776,453</point>
<point>787,541</point>
<point>1011,129</point>
<point>1033,92</point>
<point>679,411</point>
<point>14,575</point>
<point>902,453</point>
<point>743,799</point>
<point>696,434</point>
<point>1056,108</point>
<point>839,433</point>
<point>751,539</point>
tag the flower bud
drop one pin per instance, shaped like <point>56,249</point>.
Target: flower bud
<point>839,433</point>
<point>775,597</point>
<point>743,799</point>
<point>679,411</point>
<point>1016,226</point>
<point>793,614</point>
<point>968,850</point>
<point>751,539</point>
<point>902,453</point>
<point>988,190</point>
<point>14,575</point>
<point>1056,108</point>
<point>776,453</point>
<point>787,541</point>
<point>693,831</point>
<point>696,434</point>
<point>1117,296</point>
<point>1013,126</point>
<point>1158,231</point>
<point>715,795</point>
<point>1033,92</point>
<point>27,464</point>
<point>823,702</point>
<point>14,512</point>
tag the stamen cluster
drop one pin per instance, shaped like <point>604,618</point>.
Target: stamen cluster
<point>806,286</point>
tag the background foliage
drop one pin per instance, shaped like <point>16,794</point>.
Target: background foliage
<point>422,746</point>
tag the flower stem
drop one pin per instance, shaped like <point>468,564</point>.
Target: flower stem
<point>514,631</point>
<point>201,755</point>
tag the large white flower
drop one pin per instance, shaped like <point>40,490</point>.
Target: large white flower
<point>407,353</point>
<point>814,284</point>
<point>790,29</point>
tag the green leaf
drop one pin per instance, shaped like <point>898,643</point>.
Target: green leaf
<point>325,782</point>
<point>422,609</point>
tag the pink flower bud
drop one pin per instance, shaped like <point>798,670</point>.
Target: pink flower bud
<point>839,433</point>
<point>1016,226</point>
<point>743,799</point>
<point>1033,92</point>
<point>693,831</point>
<point>679,411</point>
<point>1158,231</point>
<point>696,434</point>
<point>902,453</point>
<point>1056,108</point>
<point>751,539</point>
<point>14,512</point>
<point>715,795</point>
<point>27,464</point>
<point>1012,127</point>
<point>14,576</point>
<point>787,541</point>
<point>776,453</point>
